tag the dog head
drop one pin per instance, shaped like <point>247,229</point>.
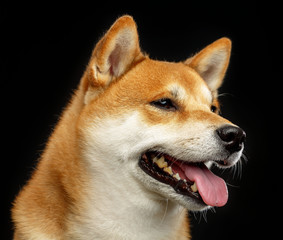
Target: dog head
<point>156,123</point>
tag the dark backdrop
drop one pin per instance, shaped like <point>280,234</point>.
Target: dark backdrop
<point>44,51</point>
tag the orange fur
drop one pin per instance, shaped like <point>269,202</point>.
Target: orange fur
<point>118,79</point>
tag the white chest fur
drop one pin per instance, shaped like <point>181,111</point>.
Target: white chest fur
<point>118,207</point>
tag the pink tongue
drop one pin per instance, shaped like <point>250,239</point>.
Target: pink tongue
<point>212,188</point>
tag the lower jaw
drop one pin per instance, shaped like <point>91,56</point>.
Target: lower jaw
<point>180,186</point>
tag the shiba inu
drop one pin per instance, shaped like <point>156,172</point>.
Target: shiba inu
<point>132,150</point>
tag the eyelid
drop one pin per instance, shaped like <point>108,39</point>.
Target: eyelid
<point>167,105</point>
<point>213,108</point>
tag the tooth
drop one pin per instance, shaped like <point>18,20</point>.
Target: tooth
<point>160,162</point>
<point>155,159</point>
<point>168,170</point>
<point>177,176</point>
<point>194,187</point>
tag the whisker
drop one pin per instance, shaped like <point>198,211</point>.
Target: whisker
<point>244,157</point>
<point>232,185</point>
<point>212,209</point>
<point>165,212</point>
<point>204,215</point>
<point>194,213</point>
<point>159,154</point>
<point>201,215</point>
<point>225,94</point>
<point>237,170</point>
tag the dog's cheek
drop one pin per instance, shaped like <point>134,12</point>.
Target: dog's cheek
<point>122,133</point>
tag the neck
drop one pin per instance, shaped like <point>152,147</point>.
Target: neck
<point>118,207</point>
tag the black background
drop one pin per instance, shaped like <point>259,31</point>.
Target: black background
<point>44,51</point>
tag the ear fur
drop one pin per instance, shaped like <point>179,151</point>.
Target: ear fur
<point>112,55</point>
<point>211,63</point>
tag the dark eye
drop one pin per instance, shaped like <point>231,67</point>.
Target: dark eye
<point>213,108</point>
<point>165,104</point>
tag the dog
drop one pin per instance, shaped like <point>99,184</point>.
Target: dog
<point>132,150</point>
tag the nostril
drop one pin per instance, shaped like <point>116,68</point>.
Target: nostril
<point>232,137</point>
<point>229,133</point>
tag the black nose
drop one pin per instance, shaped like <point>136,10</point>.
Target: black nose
<point>232,137</point>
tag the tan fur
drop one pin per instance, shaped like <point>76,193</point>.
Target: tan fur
<point>119,78</point>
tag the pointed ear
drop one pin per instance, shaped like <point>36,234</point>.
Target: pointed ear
<point>113,54</point>
<point>211,63</point>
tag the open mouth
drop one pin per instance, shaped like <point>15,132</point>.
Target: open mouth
<point>194,180</point>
